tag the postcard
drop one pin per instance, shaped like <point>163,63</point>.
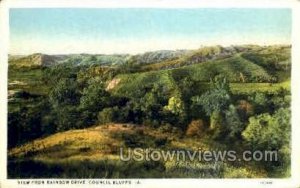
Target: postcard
<point>149,94</point>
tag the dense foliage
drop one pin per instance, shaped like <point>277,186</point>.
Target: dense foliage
<point>195,100</point>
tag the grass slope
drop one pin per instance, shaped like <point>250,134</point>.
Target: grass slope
<point>27,79</point>
<point>232,67</point>
<point>94,153</point>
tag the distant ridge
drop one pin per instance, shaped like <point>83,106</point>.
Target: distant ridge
<point>153,60</point>
<point>37,59</point>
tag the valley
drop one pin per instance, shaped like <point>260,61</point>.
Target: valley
<point>69,115</point>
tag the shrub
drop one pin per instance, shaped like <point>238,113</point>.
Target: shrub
<point>245,107</point>
<point>65,92</point>
<point>159,142</point>
<point>233,123</point>
<point>107,115</point>
<point>136,139</point>
<point>260,102</point>
<point>195,128</point>
<point>165,128</point>
<point>94,97</point>
<point>271,132</point>
<point>175,105</point>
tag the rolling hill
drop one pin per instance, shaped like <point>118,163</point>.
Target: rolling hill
<point>236,68</point>
<point>44,60</point>
<point>164,59</point>
<point>95,153</point>
<point>68,115</point>
<point>241,64</point>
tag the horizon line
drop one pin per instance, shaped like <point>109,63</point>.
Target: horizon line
<point>146,51</point>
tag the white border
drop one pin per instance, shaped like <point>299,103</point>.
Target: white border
<point>150,3</point>
<point>296,94</point>
<point>292,182</point>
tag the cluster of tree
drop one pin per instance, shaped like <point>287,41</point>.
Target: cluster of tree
<point>77,105</point>
<point>217,105</point>
<point>260,121</point>
<point>78,101</point>
<point>271,132</point>
<point>29,122</point>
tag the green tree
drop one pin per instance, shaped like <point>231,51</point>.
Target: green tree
<point>64,99</point>
<point>175,105</point>
<point>214,103</point>
<point>94,97</point>
<point>54,74</point>
<point>260,101</point>
<point>107,115</point>
<point>65,92</point>
<point>269,131</point>
<point>148,106</point>
<point>67,118</point>
<point>217,99</point>
<point>272,133</point>
<point>233,123</point>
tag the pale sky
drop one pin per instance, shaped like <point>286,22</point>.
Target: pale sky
<point>108,31</point>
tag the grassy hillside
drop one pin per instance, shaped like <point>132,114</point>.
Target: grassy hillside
<point>36,60</point>
<point>96,151</point>
<point>248,88</point>
<point>233,68</point>
<point>44,60</point>
<point>26,79</point>
<point>236,69</point>
<point>276,60</point>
